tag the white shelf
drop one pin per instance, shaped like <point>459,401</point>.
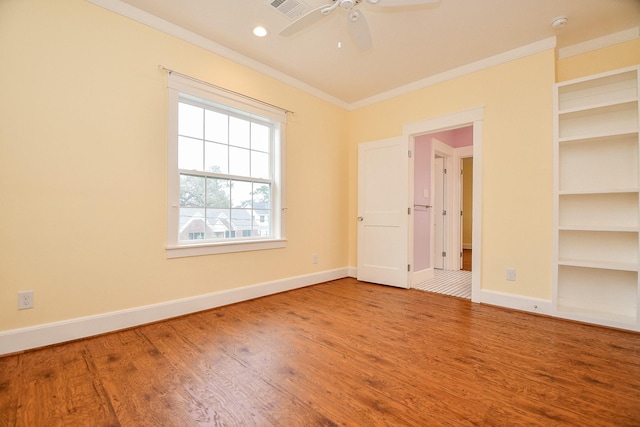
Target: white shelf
<point>611,118</point>
<point>601,265</point>
<point>617,250</point>
<point>602,136</point>
<point>597,228</point>
<point>619,319</point>
<point>598,210</point>
<point>597,190</point>
<point>606,164</point>
<point>592,91</point>
<point>607,293</point>
<point>598,106</point>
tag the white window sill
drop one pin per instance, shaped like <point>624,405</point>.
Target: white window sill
<point>223,248</point>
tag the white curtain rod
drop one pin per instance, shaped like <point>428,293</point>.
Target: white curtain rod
<point>170,71</point>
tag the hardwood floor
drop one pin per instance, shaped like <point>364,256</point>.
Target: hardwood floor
<point>466,259</point>
<point>339,353</point>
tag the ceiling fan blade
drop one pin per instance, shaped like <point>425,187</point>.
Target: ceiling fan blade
<point>359,31</point>
<point>303,22</point>
<point>399,3</point>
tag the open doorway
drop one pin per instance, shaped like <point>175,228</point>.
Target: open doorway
<point>439,212</point>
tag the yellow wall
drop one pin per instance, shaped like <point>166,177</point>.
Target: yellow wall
<point>83,167</point>
<point>83,164</point>
<point>517,207</point>
<point>599,61</point>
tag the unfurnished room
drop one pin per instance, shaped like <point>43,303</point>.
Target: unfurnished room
<point>320,213</point>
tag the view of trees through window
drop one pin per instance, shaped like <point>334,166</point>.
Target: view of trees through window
<point>225,175</point>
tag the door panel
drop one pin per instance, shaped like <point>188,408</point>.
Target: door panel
<point>382,212</point>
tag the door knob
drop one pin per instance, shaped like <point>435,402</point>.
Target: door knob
<point>360,219</point>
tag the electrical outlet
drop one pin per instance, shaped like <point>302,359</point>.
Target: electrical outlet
<point>25,300</point>
<point>314,258</point>
<point>511,274</point>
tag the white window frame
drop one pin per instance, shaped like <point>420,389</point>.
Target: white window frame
<point>178,85</point>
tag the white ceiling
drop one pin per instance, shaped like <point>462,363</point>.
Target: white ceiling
<point>409,43</point>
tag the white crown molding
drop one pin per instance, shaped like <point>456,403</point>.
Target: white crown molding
<point>502,58</point>
<point>17,340</point>
<point>599,43</point>
<point>181,33</point>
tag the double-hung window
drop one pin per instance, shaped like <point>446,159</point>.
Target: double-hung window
<point>226,171</point>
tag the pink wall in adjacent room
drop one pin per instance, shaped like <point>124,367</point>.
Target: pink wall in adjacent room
<point>456,138</point>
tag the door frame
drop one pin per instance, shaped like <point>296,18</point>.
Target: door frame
<point>410,131</point>
<point>453,205</point>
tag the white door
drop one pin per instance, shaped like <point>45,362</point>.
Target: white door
<point>383,199</point>
<point>439,213</point>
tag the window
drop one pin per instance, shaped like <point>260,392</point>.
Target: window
<point>225,171</point>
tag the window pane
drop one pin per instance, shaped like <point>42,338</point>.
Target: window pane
<point>241,194</point>
<point>219,223</point>
<point>216,158</point>
<point>216,127</point>
<point>192,224</point>
<point>262,210</point>
<point>218,194</point>
<point>191,191</point>
<point>259,137</point>
<point>190,120</point>
<point>239,161</point>
<point>190,153</point>
<point>262,222</point>
<point>259,165</point>
<point>241,221</point>
<point>261,195</point>
<point>238,132</point>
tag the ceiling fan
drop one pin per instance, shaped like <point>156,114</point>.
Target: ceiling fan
<point>358,27</point>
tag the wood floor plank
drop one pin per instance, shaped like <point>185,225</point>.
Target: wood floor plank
<point>341,353</point>
<point>10,378</point>
<point>56,388</point>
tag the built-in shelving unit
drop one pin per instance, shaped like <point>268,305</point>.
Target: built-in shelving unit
<point>597,204</point>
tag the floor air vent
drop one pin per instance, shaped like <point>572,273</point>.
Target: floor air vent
<point>292,8</point>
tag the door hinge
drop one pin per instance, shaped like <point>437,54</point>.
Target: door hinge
<point>408,267</point>
<point>408,211</point>
<point>444,171</point>
<point>444,254</point>
<point>410,153</point>
<point>444,212</point>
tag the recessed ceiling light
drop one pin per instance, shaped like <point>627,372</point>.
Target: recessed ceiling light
<point>260,31</point>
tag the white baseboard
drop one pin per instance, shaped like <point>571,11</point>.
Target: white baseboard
<point>353,272</point>
<point>16,340</point>
<point>517,302</point>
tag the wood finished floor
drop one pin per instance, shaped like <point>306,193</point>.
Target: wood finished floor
<point>339,353</point>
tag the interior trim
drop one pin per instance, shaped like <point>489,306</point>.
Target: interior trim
<point>166,27</point>
<point>599,43</point>
<point>21,339</point>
